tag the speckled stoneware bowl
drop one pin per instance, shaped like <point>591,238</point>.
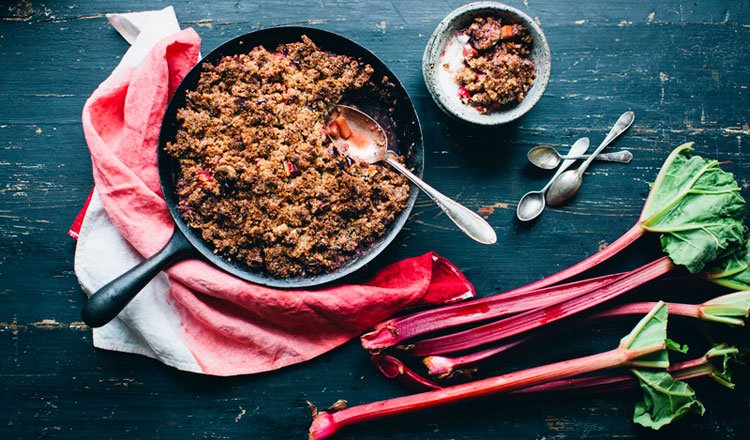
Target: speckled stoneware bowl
<point>448,100</point>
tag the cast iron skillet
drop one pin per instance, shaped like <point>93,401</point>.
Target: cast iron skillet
<point>405,134</point>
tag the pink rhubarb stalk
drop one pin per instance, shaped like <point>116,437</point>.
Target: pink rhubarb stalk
<point>639,308</point>
<point>731,309</point>
<point>606,383</point>
<point>394,368</point>
<point>533,319</point>
<point>637,344</point>
<point>700,367</point>
<point>399,329</point>
<point>603,255</point>
<point>326,424</point>
<point>444,367</point>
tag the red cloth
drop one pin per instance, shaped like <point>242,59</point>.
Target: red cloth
<point>231,326</point>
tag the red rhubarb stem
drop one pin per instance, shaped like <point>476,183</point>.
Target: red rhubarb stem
<point>326,424</point>
<point>603,255</point>
<point>444,367</point>
<point>396,330</point>
<point>618,382</point>
<point>639,308</point>
<point>533,319</point>
<point>393,368</point>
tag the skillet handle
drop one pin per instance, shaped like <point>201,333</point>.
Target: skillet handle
<point>110,299</point>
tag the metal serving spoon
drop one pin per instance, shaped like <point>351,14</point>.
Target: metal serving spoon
<point>548,158</point>
<point>362,138</point>
<point>569,182</point>
<point>532,203</point>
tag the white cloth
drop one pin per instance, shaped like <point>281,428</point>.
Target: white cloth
<point>102,254</point>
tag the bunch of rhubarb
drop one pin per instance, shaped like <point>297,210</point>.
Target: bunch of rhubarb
<point>644,351</point>
<point>697,209</point>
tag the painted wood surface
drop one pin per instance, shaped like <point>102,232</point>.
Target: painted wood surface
<point>682,66</point>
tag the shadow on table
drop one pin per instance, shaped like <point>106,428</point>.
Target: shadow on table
<point>484,149</point>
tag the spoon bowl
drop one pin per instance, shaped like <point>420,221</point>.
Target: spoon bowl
<point>530,206</point>
<point>533,203</point>
<point>565,187</point>
<point>358,136</point>
<point>547,158</point>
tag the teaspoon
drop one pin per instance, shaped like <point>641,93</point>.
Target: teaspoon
<point>360,137</point>
<point>532,203</point>
<point>548,158</point>
<point>569,182</point>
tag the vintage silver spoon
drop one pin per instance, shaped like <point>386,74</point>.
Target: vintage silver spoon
<point>569,182</point>
<point>532,203</point>
<point>548,158</point>
<point>365,140</point>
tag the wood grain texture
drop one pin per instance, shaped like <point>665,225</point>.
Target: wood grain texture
<point>682,66</point>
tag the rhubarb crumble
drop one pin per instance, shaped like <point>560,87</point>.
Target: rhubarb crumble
<point>258,177</point>
<point>495,70</point>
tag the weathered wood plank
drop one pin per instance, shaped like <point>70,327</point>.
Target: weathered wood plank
<point>681,66</point>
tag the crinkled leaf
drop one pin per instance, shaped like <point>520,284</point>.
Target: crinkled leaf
<point>720,357</point>
<point>729,309</point>
<point>665,399</point>
<point>651,331</point>
<point>698,209</point>
<point>732,271</point>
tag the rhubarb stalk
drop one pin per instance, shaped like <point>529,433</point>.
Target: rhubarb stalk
<point>533,319</point>
<point>644,346</point>
<point>731,309</point>
<point>625,240</point>
<point>714,364</point>
<point>444,367</point>
<point>399,329</point>
<point>393,368</point>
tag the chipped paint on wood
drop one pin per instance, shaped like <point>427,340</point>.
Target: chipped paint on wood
<point>487,210</point>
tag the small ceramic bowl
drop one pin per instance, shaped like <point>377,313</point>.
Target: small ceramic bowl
<point>445,91</point>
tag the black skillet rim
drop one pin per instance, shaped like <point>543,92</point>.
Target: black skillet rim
<point>327,41</point>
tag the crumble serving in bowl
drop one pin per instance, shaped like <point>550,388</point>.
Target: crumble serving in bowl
<point>495,70</point>
<point>486,63</point>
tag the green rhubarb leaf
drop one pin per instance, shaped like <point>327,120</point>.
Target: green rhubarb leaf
<point>665,399</point>
<point>650,332</point>
<point>720,358</point>
<point>729,309</point>
<point>732,271</point>
<point>698,209</point>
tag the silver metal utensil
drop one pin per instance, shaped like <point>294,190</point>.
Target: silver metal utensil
<point>548,158</point>
<point>365,140</point>
<point>569,182</point>
<point>533,203</point>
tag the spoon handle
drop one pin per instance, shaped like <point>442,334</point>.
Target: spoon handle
<point>623,123</point>
<point>578,148</point>
<point>467,220</point>
<point>623,156</point>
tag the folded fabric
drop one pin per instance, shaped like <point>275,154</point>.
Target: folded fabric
<point>201,318</point>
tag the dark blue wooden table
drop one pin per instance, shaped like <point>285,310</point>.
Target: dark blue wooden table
<point>682,66</point>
